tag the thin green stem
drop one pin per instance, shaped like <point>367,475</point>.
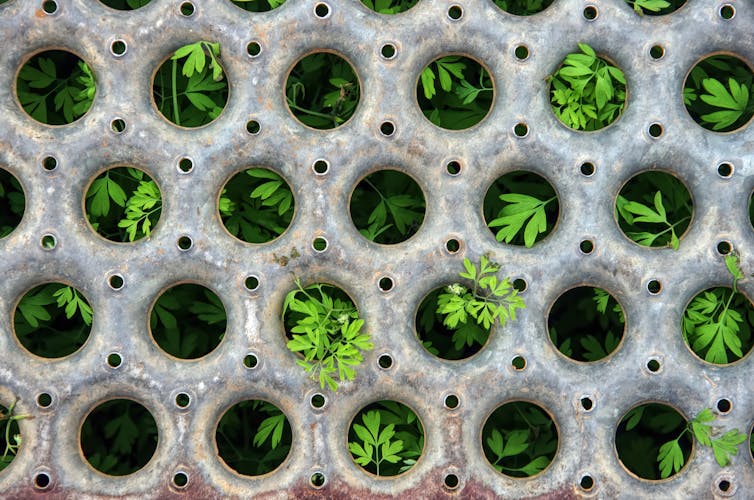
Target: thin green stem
<point>176,112</point>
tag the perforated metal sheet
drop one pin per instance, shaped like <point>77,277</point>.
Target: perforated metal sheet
<point>453,443</point>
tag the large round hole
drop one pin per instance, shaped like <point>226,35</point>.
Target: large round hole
<point>389,6</point>
<point>387,207</point>
<point>10,437</point>
<point>523,7</point>
<point>641,434</point>
<point>189,88</point>
<point>119,437</point>
<point>716,93</point>
<point>55,87</point>
<point>12,203</point>
<point>52,320</point>
<point>642,7</point>
<point>386,438</point>
<point>455,92</point>
<point>717,325</point>
<point>125,4</point>
<point>322,90</point>
<point>654,209</point>
<point>188,321</point>
<point>519,439</point>
<point>256,205</point>
<point>258,5</point>
<point>586,323</point>
<point>587,92</point>
<point>253,437</point>
<point>123,204</point>
<point>521,208</point>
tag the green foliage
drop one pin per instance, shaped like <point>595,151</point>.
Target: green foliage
<point>119,437</point>
<point>253,437</point>
<point>125,4</point>
<point>523,7</point>
<point>52,320</point>
<point>519,439</point>
<point>258,5</point>
<point>389,440</point>
<point>188,321</point>
<point>256,205</point>
<point>653,209</point>
<point>655,7</point>
<point>389,6</point>
<point>464,95</point>
<point>12,203</point>
<point>323,325</point>
<point>56,87</point>
<point>523,205</point>
<point>196,95</point>
<point>316,103</point>
<point>717,93</point>
<point>387,207</point>
<point>586,92</point>
<point>142,210</point>
<point>10,436</point>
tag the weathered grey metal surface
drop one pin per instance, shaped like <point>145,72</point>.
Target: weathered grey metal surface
<point>453,443</point>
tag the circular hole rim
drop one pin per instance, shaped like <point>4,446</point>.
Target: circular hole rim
<point>115,277</point>
<point>42,474</point>
<point>591,9</point>
<point>53,5</point>
<point>111,365</point>
<point>254,361</point>
<point>116,122</point>
<point>656,48</point>
<point>318,395</point>
<point>655,126</point>
<point>650,285</point>
<point>725,402</point>
<point>386,289</point>
<point>455,8</point>
<point>51,238</point>
<point>449,396</point>
<point>388,360</point>
<point>653,360</point>
<point>727,6</point>
<point>587,476</point>
<point>322,239</point>
<point>521,126</point>
<point>174,479</point>
<point>515,360</point>
<point>184,243</point>
<point>44,396</point>
<point>452,478</point>
<point>586,246</point>
<point>319,6</point>
<point>183,160</point>
<point>453,241</point>
<point>587,400</point>
<point>113,52</point>
<point>253,127</point>
<point>724,247</point>
<point>256,279</point>
<point>389,46</point>
<point>390,126</point>
<point>180,396</point>
<point>256,46</point>
<point>453,164</point>
<point>50,159</point>
<point>321,161</point>
<point>521,46</point>
<point>318,473</point>
<point>187,5</point>
<point>726,166</point>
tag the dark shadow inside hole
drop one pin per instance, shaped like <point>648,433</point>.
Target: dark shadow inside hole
<point>317,479</point>
<point>590,13</point>
<point>114,360</point>
<point>724,405</point>
<point>250,361</point>
<point>318,400</point>
<point>322,10</point>
<point>44,400</point>
<point>587,403</point>
<point>587,482</point>
<point>451,401</point>
<point>455,12</point>
<point>42,480</point>
<point>724,248</point>
<point>453,245</point>
<point>385,361</point>
<point>724,485</point>
<point>586,246</point>
<point>387,129</point>
<point>725,169</point>
<point>451,481</point>
<point>180,479</point>
<point>653,365</point>
<point>518,363</point>
<point>12,202</point>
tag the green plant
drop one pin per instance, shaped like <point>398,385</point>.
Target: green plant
<point>196,95</point>
<point>387,207</point>
<point>125,4</point>
<point>320,105</point>
<point>12,203</point>
<point>256,205</point>
<point>389,6</point>
<point>523,205</point>
<point>9,434</point>
<point>586,92</point>
<point>653,208</point>
<point>717,93</point>
<point>655,7</point>
<point>253,437</point>
<point>389,442</point>
<point>523,7</point>
<point>464,96</point>
<point>56,87</point>
<point>323,324</point>
<point>520,439</point>
<point>258,5</point>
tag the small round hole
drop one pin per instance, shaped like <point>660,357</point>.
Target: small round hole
<point>521,52</point>
<point>182,400</point>
<point>520,285</point>
<point>385,361</point>
<point>387,129</point>
<point>185,165</point>
<point>453,167</point>
<point>587,482</point>
<point>657,52</point>
<point>654,287</point>
<point>114,360</point>
<point>451,481</point>
<point>50,163</point>
<point>653,365</point>
<point>42,480</point>
<point>724,485</point>
<point>587,404</point>
<point>180,480</point>
<point>452,245</point>
<point>655,130</point>
<point>118,48</point>
<point>590,13</point>
<point>184,243</point>
<point>388,51</point>
<point>253,127</point>
<point>451,401</point>
<point>44,400</point>
<point>318,479</point>
<point>318,401</point>
<point>115,282</point>
<point>250,361</point>
<point>386,284</point>
<point>251,283</point>
<point>455,12</point>
<point>587,169</point>
<point>50,7</point>
<point>724,248</point>
<point>322,10</point>
<point>521,130</point>
<point>118,125</point>
<point>253,49</point>
<point>725,170</point>
<point>724,405</point>
<point>321,167</point>
<point>727,11</point>
<point>48,242</point>
<point>319,244</point>
<point>586,247</point>
<point>187,9</point>
<point>518,363</point>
